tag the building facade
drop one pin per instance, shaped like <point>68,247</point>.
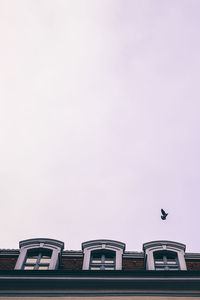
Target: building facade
<point>42,268</point>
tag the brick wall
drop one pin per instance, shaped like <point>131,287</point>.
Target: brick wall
<point>71,264</point>
<point>132,264</point>
<point>193,265</point>
<point>7,263</point>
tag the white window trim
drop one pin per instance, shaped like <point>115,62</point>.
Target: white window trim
<point>151,247</point>
<point>55,246</point>
<point>117,247</point>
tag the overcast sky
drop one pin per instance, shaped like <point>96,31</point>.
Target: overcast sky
<point>99,121</point>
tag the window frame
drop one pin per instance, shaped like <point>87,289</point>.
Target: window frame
<point>164,257</point>
<point>54,246</point>
<point>103,245</point>
<point>39,253</point>
<point>151,248</point>
<point>102,265</point>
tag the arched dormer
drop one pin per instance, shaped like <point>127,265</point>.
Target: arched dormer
<point>102,255</point>
<point>164,255</point>
<point>39,254</point>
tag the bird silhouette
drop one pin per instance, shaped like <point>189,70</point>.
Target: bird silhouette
<point>164,214</point>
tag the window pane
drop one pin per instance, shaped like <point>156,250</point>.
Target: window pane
<point>43,268</point>
<point>96,261</point>
<point>45,261</point>
<point>109,268</point>
<point>31,260</point>
<point>160,262</point>
<point>95,268</point>
<point>96,255</point>
<point>109,261</point>
<point>28,267</point>
<point>171,262</point>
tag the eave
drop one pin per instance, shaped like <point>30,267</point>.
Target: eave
<point>100,283</point>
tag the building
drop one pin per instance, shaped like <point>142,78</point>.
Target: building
<point>41,268</point>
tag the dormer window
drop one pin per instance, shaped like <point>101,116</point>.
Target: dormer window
<point>102,255</point>
<point>39,254</point>
<point>165,256</point>
<point>102,260</point>
<point>166,260</point>
<point>38,259</point>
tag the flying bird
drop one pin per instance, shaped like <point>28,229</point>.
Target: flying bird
<point>164,214</point>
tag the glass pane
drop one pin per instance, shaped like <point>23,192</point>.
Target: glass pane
<point>31,260</point>
<point>43,268</point>
<point>28,267</point>
<point>109,268</point>
<point>171,262</point>
<point>45,261</point>
<point>160,262</point>
<point>96,261</point>
<point>96,255</point>
<point>95,268</point>
<point>109,261</point>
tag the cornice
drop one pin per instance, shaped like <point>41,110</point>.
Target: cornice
<point>154,244</point>
<point>195,256</point>
<point>111,243</point>
<point>121,281</point>
<point>9,252</point>
<point>72,253</point>
<point>38,241</point>
<point>130,254</point>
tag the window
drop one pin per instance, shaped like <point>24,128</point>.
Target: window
<point>102,260</point>
<point>38,259</point>
<point>164,255</point>
<point>164,260</point>
<point>39,254</point>
<point>102,255</point>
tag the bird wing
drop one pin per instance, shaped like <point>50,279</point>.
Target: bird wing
<point>163,212</point>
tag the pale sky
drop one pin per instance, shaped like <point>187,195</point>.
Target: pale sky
<point>99,121</point>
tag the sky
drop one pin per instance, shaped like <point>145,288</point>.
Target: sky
<point>99,121</point>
